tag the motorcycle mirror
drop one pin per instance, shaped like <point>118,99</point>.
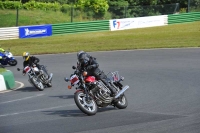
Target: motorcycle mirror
<point>18,69</point>
<point>66,79</point>
<point>73,67</point>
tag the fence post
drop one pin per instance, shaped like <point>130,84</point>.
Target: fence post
<point>188,10</point>
<point>17,16</point>
<point>72,13</point>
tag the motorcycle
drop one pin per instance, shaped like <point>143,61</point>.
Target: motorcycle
<point>7,58</point>
<point>38,78</point>
<point>92,93</point>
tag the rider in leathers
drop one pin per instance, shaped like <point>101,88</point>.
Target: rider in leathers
<point>30,60</point>
<point>85,61</point>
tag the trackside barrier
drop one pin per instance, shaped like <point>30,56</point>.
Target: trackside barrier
<point>2,83</point>
<point>9,80</point>
<point>77,27</point>
<point>184,17</point>
<point>35,31</point>
<point>103,25</point>
<point>9,33</point>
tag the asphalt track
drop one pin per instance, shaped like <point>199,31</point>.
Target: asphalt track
<point>164,96</point>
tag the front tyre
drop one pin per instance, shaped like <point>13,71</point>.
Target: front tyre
<point>37,84</point>
<point>87,107</point>
<point>49,84</point>
<point>12,62</point>
<point>122,103</point>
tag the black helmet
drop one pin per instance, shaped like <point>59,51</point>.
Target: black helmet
<point>80,53</point>
<point>83,58</point>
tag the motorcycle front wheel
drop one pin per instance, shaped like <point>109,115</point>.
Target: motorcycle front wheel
<point>49,84</point>
<point>37,84</point>
<point>88,107</point>
<point>122,103</point>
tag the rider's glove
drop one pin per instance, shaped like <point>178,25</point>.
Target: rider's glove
<point>35,61</point>
<point>23,73</point>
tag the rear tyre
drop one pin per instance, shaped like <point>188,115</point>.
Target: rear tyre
<point>12,62</point>
<point>87,107</point>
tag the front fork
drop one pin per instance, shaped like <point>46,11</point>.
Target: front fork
<point>84,90</point>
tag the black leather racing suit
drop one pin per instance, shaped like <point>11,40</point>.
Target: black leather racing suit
<point>92,69</point>
<point>32,60</point>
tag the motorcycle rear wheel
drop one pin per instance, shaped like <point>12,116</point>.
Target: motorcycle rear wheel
<point>12,62</point>
<point>122,103</point>
<point>37,84</point>
<point>87,107</point>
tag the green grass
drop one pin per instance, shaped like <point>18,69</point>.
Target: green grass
<point>39,17</point>
<point>2,70</point>
<point>26,17</point>
<point>171,36</point>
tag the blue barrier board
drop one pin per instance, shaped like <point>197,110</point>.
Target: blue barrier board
<point>35,31</point>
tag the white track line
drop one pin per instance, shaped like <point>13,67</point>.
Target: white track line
<point>30,111</point>
<point>21,85</point>
<point>21,99</point>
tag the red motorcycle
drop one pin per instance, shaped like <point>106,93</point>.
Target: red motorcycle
<point>92,93</point>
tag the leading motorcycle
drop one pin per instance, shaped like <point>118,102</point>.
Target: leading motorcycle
<point>38,78</point>
<point>92,94</point>
<point>7,58</point>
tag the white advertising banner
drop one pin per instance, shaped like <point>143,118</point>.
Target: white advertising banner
<point>150,21</point>
<point>130,23</point>
<point>122,24</point>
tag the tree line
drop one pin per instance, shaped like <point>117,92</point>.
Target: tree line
<point>98,8</point>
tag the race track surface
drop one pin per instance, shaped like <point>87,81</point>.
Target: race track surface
<point>164,96</point>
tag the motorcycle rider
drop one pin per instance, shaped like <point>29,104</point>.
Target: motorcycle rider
<point>30,60</point>
<point>85,61</point>
<point>2,51</point>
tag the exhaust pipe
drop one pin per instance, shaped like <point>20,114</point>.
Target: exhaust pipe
<point>122,91</point>
<point>50,77</point>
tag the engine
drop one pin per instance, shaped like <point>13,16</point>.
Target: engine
<point>102,94</point>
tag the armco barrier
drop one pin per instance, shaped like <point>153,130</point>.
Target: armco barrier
<point>184,17</point>
<point>77,27</point>
<point>8,79</point>
<point>9,33</point>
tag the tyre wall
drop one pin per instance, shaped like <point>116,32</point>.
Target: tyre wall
<point>7,80</point>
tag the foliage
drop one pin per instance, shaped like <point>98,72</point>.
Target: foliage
<point>65,8</point>
<point>117,8</point>
<point>98,7</point>
<point>10,5</point>
<point>43,6</point>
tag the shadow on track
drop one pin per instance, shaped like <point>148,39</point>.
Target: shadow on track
<point>66,113</point>
<point>76,113</point>
<point>27,89</point>
<point>64,96</point>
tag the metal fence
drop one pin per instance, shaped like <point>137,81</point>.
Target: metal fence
<point>20,17</point>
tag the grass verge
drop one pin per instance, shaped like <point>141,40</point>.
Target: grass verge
<point>171,36</point>
<point>2,70</point>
